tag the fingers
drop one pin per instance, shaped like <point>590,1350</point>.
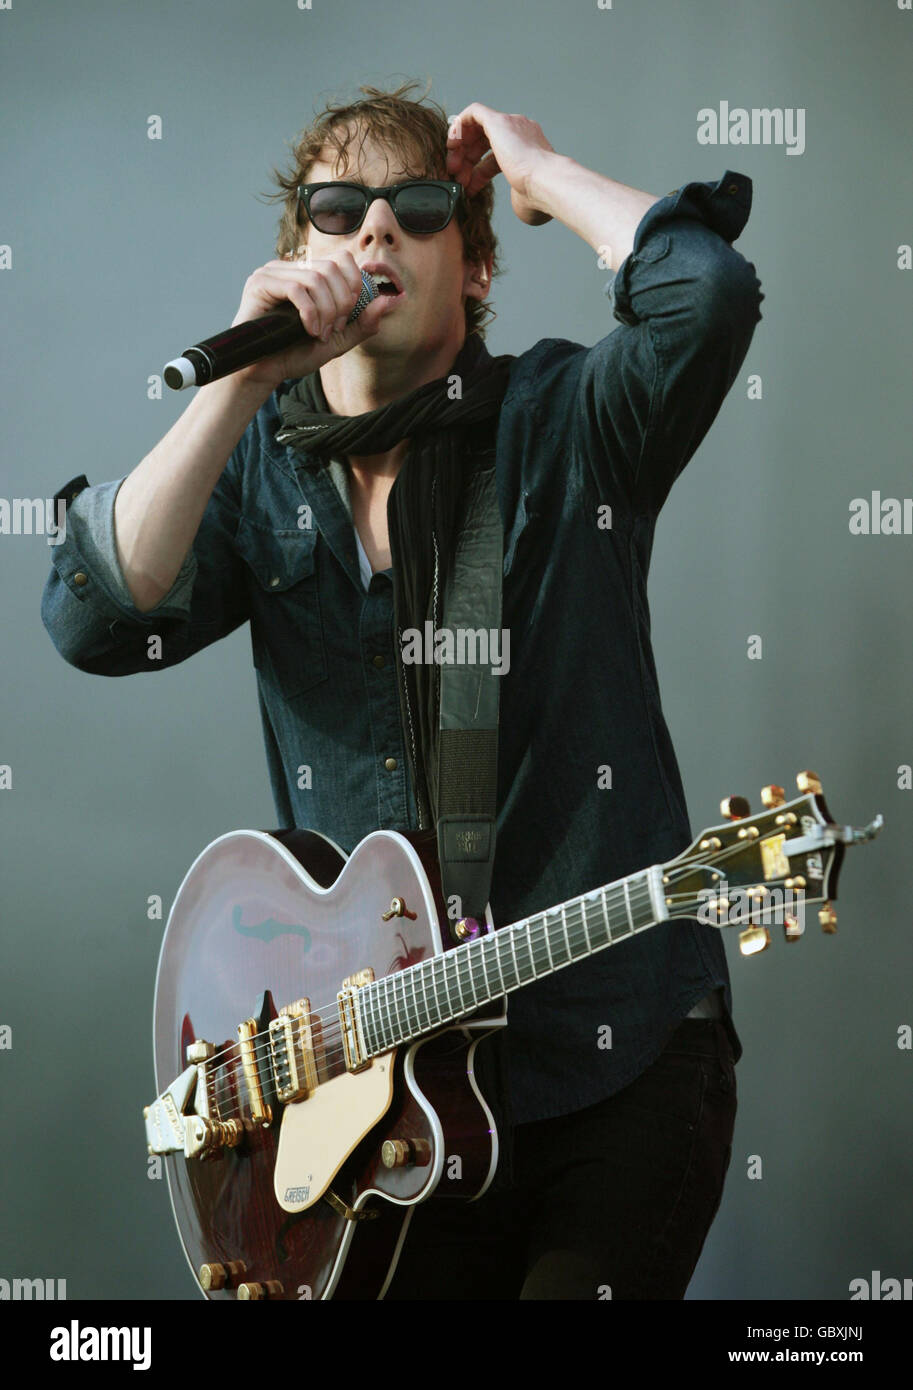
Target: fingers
<point>324,292</point>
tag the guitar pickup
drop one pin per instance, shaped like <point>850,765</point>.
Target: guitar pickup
<point>292,1052</point>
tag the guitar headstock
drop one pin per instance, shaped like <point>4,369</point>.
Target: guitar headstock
<point>754,871</point>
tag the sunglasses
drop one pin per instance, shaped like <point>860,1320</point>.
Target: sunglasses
<point>420,205</point>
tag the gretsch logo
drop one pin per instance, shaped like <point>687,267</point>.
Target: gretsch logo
<point>297,1194</point>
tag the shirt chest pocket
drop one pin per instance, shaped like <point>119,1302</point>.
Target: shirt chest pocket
<point>285,624</point>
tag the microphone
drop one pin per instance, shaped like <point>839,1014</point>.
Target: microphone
<point>246,343</point>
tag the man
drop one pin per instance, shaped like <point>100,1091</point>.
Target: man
<point>617,1073</point>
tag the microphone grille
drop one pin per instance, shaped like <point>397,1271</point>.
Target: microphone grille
<point>369,292</point>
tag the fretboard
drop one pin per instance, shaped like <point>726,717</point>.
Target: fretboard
<point>426,996</point>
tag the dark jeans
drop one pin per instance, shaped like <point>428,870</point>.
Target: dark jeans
<point>614,1201</point>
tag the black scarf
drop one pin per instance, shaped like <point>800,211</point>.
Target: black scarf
<point>447,439</point>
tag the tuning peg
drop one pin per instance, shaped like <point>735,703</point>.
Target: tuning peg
<point>753,940</point>
<point>772,796</point>
<point>792,927</point>
<point>808,782</point>
<point>734,808</point>
<point>828,918</point>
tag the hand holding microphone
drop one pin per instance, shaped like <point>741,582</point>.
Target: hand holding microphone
<point>300,314</point>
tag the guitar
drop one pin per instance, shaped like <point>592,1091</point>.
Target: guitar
<point>300,1136</point>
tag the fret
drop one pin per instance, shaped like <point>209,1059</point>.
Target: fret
<point>628,906</point>
<point>411,1001</point>
<point>614,932</point>
<point>586,930</point>
<point>530,968</point>
<point>402,1012</point>
<point>366,1008</point>
<point>420,974</point>
<point>561,930</point>
<point>391,1025</point>
<point>545,939</point>
<point>605,913</point>
<point>507,938</point>
<point>435,961</point>
<point>497,955</point>
<point>488,948</point>
<point>477,968</point>
<point>464,962</point>
<point>397,1017</point>
<point>450,1006</point>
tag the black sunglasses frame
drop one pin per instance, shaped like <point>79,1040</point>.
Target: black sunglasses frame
<point>389,192</point>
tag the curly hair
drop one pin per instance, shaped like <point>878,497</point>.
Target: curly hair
<point>417,133</point>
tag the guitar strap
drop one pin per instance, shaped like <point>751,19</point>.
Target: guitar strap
<point>469,704</point>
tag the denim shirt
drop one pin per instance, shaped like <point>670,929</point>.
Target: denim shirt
<point>580,429</point>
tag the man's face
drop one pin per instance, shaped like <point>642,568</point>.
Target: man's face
<point>429,266</point>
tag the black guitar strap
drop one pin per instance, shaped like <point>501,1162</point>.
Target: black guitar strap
<point>469,704</point>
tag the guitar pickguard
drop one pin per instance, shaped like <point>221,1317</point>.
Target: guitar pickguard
<point>318,1134</point>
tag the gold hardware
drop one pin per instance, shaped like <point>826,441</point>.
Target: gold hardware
<point>828,918</point>
<point>772,796</point>
<point>808,782</point>
<point>786,818</point>
<point>200,1051</point>
<point>249,1292</point>
<point>748,832</point>
<point>792,927</point>
<point>216,1276</point>
<point>753,940</point>
<point>348,1021</point>
<point>797,882</point>
<point>260,1112</point>
<point>361,977</point>
<point>405,1153</point>
<point>773,860</point>
<point>711,842</point>
<point>465,928</point>
<point>734,808</point>
<point>345,1210</point>
<point>398,908</point>
<point>291,1047</point>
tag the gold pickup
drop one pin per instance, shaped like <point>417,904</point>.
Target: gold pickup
<point>292,1051</point>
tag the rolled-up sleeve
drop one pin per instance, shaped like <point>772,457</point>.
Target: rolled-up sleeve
<point>688,303</point>
<point>88,610</point>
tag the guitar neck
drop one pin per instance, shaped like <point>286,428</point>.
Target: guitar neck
<point>435,992</point>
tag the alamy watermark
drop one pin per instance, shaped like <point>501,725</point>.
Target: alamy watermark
<point>461,646</point>
<point>34,516</point>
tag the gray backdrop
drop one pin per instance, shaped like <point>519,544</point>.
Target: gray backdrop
<point>130,248</point>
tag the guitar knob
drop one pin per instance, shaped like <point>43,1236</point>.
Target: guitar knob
<point>828,918</point>
<point>772,796</point>
<point>405,1153</point>
<point>200,1051</point>
<point>734,808</point>
<point>753,940</point>
<point>248,1293</point>
<point>808,782</point>
<point>217,1276</point>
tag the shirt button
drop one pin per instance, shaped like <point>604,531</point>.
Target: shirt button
<point>733,188</point>
<point>390,764</point>
<point>274,581</point>
<point>80,578</point>
<point>378,661</point>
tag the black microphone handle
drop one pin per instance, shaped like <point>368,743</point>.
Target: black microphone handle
<point>246,343</point>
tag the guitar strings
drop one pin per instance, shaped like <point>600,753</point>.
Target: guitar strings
<point>330,1050</point>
